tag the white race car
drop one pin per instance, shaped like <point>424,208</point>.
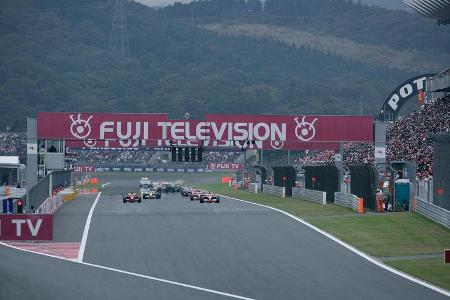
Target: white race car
<point>209,197</point>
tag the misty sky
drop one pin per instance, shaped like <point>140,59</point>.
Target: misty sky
<point>395,4</point>
<point>161,2</point>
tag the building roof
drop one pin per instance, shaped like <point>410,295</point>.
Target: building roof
<point>436,9</point>
<point>9,160</point>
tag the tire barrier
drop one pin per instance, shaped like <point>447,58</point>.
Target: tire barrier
<point>310,195</point>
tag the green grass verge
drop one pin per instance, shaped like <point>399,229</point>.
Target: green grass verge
<point>393,234</point>
<point>433,270</point>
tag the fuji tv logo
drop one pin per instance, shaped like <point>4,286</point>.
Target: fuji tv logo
<point>81,128</point>
<point>305,131</point>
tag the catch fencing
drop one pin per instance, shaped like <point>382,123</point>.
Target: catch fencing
<point>432,212</point>
<point>310,195</point>
<point>346,199</point>
<point>274,190</point>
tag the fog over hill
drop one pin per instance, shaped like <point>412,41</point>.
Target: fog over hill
<point>392,4</point>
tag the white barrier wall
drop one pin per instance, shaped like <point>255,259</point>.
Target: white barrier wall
<point>433,212</point>
<point>310,195</point>
<point>346,199</point>
<point>51,205</point>
<point>254,188</point>
<point>274,190</point>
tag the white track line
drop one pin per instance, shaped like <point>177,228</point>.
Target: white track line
<point>86,229</point>
<point>105,184</point>
<point>135,274</point>
<point>353,249</point>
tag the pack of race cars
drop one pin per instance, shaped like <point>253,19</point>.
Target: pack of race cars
<point>202,196</point>
<point>153,190</point>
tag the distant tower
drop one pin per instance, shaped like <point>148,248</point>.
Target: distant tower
<point>118,43</point>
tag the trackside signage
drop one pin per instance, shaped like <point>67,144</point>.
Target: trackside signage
<point>84,169</point>
<point>401,94</point>
<point>224,166</point>
<point>98,130</point>
<point>26,227</point>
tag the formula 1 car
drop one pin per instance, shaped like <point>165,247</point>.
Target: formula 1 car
<point>131,197</point>
<point>195,195</point>
<point>185,191</point>
<point>150,194</point>
<point>209,197</point>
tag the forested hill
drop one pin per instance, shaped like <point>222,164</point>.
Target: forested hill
<point>54,57</point>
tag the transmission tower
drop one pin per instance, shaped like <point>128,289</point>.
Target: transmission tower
<point>118,43</point>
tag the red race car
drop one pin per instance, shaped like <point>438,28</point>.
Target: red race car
<point>131,197</point>
<point>209,197</point>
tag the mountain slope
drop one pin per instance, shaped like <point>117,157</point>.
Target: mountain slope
<point>407,60</point>
<point>55,57</point>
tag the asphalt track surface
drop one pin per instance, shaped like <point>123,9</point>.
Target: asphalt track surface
<point>232,247</point>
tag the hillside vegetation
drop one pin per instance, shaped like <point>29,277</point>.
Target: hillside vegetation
<point>54,57</point>
<point>407,60</point>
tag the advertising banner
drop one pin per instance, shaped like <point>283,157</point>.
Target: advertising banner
<point>26,227</point>
<point>224,166</point>
<point>269,132</point>
<point>84,169</point>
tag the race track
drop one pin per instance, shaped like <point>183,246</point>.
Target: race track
<point>218,251</point>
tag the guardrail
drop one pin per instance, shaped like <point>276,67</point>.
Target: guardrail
<point>432,212</point>
<point>346,199</point>
<point>310,195</point>
<point>254,188</point>
<point>274,190</point>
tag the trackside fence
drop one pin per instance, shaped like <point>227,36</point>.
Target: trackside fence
<point>346,199</point>
<point>274,190</point>
<point>310,195</point>
<point>432,212</point>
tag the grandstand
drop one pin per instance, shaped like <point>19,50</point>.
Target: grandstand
<point>436,9</point>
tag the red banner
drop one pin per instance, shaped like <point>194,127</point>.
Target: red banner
<point>84,169</point>
<point>26,227</point>
<point>98,130</point>
<point>224,166</point>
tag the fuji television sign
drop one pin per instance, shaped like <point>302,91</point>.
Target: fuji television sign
<point>269,132</point>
